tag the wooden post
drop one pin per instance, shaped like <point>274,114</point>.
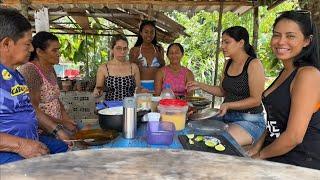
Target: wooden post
<point>150,12</point>
<point>87,58</point>
<point>24,7</point>
<point>215,78</point>
<point>41,20</point>
<point>255,26</point>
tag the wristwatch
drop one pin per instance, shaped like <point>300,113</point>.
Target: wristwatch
<point>56,129</point>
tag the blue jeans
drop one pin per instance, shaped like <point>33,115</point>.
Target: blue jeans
<point>54,145</point>
<point>253,124</point>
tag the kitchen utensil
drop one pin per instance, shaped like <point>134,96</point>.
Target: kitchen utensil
<point>94,137</point>
<point>160,132</point>
<point>130,118</point>
<point>198,102</point>
<point>79,140</point>
<point>200,146</point>
<point>204,114</point>
<point>208,126</point>
<point>112,118</point>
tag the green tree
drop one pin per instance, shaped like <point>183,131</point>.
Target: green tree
<point>200,46</point>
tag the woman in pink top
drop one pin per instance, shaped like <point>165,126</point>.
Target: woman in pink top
<point>174,74</point>
<point>44,91</point>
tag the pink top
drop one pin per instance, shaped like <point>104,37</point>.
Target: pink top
<point>49,96</point>
<point>177,80</point>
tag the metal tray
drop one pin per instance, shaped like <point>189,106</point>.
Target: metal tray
<point>204,114</point>
<point>200,146</point>
<point>99,136</point>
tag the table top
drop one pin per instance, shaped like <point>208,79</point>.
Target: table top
<point>140,141</point>
<point>148,163</point>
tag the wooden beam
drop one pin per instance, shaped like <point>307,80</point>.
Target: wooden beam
<point>135,2</point>
<point>24,7</point>
<point>215,78</point>
<point>63,28</point>
<point>102,15</point>
<point>255,27</point>
<point>274,4</point>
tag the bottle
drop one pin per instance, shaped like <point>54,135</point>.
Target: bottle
<point>129,118</point>
<point>167,92</point>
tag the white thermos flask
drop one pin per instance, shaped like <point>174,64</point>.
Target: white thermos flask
<point>130,118</point>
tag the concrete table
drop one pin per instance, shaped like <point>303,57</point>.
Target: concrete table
<point>147,163</point>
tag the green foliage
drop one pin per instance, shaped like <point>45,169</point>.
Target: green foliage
<point>86,49</point>
<point>200,47</point>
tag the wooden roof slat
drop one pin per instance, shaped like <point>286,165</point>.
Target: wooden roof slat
<point>124,2</point>
<point>81,19</point>
<point>120,12</point>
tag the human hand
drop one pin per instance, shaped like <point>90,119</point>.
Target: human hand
<point>192,85</point>
<point>143,90</point>
<point>70,125</point>
<point>223,109</point>
<point>62,135</point>
<point>97,92</point>
<point>252,151</point>
<point>30,148</point>
<point>256,156</point>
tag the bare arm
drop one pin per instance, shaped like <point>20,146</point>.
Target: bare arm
<point>305,91</point>
<point>133,55</point>
<point>190,78</point>
<point>254,150</point>
<point>98,90</point>
<point>67,121</point>
<point>24,147</point>
<point>136,76</point>
<point>158,82</point>
<point>214,90</point>
<point>256,82</point>
<point>161,56</point>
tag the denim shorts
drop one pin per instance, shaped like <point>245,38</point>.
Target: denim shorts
<point>254,124</point>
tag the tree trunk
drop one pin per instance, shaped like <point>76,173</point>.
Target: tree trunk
<point>313,7</point>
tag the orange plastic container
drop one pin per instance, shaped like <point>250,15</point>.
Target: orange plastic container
<point>174,110</point>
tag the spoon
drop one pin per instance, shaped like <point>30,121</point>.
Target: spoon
<point>77,140</point>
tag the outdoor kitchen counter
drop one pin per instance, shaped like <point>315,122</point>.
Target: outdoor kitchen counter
<point>147,163</point>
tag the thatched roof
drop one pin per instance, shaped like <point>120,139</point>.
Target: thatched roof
<point>78,16</point>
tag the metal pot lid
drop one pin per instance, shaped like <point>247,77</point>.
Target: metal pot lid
<point>204,114</point>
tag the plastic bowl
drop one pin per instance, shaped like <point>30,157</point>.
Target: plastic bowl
<point>160,133</point>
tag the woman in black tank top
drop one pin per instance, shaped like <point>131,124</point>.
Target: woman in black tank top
<point>291,101</point>
<point>118,77</point>
<point>242,86</point>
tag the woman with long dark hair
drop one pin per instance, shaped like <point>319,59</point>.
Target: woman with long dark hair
<point>241,86</point>
<point>148,54</point>
<point>292,100</point>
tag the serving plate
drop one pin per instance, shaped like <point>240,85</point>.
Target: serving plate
<point>96,136</point>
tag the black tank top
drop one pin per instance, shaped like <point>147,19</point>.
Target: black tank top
<point>119,87</point>
<point>237,88</point>
<point>277,105</point>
